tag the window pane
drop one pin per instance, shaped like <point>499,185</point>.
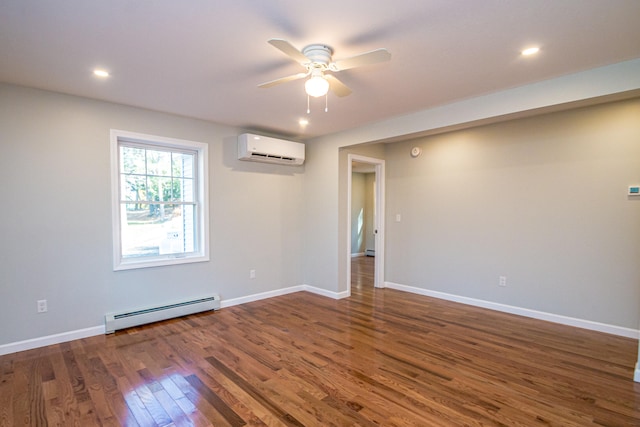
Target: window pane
<point>183,190</point>
<point>132,160</point>
<point>188,226</point>
<point>157,229</point>
<point>159,189</point>
<point>183,165</point>
<point>158,163</point>
<point>133,188</point>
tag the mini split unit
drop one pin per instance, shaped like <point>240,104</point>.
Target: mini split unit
<point>257,148</point>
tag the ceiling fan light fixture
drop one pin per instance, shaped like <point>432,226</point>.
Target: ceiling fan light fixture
<point>316,86</point>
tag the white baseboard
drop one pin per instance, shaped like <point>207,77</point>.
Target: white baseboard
<point>357,255</point>
<point>636,375</point>
<point>541,315</point>
<point>326,293</point>
<point>263,295</point>
<point>284,291</point>
<point>51,340</point>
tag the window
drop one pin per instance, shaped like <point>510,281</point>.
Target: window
<point>159,201</point>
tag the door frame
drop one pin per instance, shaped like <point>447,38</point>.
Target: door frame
<point>379,221</point>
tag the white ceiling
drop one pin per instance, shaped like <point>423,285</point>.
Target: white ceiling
<point>205,58</point>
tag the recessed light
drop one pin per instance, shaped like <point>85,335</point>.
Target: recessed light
<point>530,51</point>
<point>100,73</point>
<point>303,122</point>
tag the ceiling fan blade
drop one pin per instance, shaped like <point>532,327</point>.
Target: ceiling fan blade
<point>337,86</point>
<point>289,50</point>
<point>367,58</point>
<point>282,80</point>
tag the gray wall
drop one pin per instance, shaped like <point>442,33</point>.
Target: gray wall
<point>541,201</point>
<point>55,221</point>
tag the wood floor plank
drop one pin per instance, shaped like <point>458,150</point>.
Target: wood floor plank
<point>202,398</point>
<point>258,415</point>
<point>7,393</point>
<point>247,387</point>
<point>168,404</point>
<point>135,404</point>
<point>216,402</point>
<point>174,384</point>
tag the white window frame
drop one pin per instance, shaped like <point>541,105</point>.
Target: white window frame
<point>202,202</point>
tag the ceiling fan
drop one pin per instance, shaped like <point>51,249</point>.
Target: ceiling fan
<point>320,66</point>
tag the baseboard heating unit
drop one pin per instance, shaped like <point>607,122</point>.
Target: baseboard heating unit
<point>117,321</point>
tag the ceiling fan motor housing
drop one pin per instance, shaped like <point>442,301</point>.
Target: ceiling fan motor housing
<point>318,54</point>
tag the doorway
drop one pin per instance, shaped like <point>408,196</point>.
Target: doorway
<point>375,248</point>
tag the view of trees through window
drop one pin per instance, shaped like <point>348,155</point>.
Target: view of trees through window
<point>157,201</point>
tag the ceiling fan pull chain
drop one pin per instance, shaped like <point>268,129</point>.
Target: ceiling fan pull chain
<point>308,109</point>
<point>326,102</point>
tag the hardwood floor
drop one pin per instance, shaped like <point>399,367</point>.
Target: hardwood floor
<point>380,357</point>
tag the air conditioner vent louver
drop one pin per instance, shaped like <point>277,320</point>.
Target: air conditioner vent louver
<point>271,156</point>
<point>258,148</point>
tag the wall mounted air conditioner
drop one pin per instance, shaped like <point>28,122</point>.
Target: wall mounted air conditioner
<point>257,148</point>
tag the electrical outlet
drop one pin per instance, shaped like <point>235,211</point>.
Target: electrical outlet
<point>42,306</point>
<point>252,274</point>
<point>502,281</point>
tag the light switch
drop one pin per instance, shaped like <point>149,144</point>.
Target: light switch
<point>398,218</point>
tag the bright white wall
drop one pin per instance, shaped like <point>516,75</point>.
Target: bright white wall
<point>541,201</point>
<point>56,226</point>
